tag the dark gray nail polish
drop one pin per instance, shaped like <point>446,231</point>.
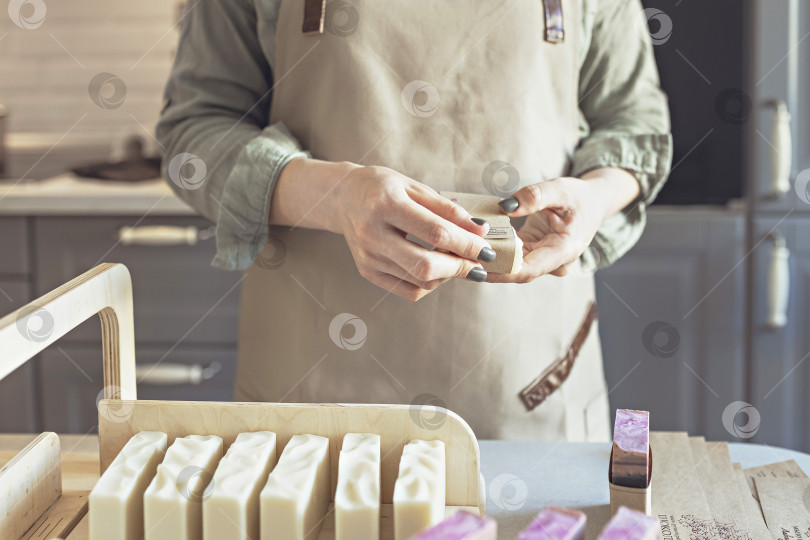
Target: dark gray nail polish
<point>509,205</point>
<point>487,255</point>
<point>477,274</point>
<point>479,221</point>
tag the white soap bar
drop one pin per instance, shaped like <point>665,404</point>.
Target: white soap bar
<point>419,491</point>
<point>296,496</point>
<point>172,503</point>
<point>232,509</point>
<point>357,498</point>
<point>116,502</point>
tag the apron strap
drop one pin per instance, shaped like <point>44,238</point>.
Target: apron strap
<point>556,374</point>
<point>315,10</point>
<point>555,30</point>
<point>314,14</point>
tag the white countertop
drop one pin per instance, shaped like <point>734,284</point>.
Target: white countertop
<point>524,477</point>
<point>68,195</point>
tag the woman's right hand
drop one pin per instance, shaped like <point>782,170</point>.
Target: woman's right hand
<point>375,208</point>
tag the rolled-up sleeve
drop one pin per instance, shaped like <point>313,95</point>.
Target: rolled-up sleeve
<point>215,117</point>
<point>624,116</point>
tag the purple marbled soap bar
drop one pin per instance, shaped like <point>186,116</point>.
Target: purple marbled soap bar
<point>556,524</point>
<point>628,524</point>
<point>632,431</point>
<point>631,448</point>
<point>461,526</point>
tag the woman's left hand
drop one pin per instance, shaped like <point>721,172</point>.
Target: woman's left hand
<point>564,214</point>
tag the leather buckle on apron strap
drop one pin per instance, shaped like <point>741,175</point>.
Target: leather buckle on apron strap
<point>314,14</point>
<point>555,375</point>
<point>555,30</point>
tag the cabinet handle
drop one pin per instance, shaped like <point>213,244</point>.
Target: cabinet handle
<point>160,374</point>
<point>163,235</point>
<point>781,148</point>
<point>778,283</point>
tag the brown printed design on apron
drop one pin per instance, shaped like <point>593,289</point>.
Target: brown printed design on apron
<point>439,91</point>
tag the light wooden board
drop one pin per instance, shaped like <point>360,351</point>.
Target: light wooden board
<point>61,518</point>
<point>82,530</point>
<point>79,475</point>
<point>30,482</point>
<point>120,420</point>
<point>105,290</point>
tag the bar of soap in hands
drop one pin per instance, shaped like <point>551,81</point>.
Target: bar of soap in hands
<point>173,501</point>
<point>629,465</point>
<point>419,491</point>
<point>296,496</point>
<point>116,502</point>
<point>555,523</point>
<point>232,509</point>
<point>628,524</point>
<point>462,526</point>
<point>357,498</point>
<point>501,236</point>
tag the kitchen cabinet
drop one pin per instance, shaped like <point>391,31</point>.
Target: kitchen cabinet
<point>671,317</point>
<point>18,404</point>
<point>179,296</point>
<point>71,381</point>
<point>780,337</point>
<point>779,65</point>
<point>14,241</point>
<point>780,224</point>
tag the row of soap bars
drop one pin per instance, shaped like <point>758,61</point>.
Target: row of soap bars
<point>191,492</point>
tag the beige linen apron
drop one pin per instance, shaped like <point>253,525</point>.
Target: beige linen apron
<point>437,90</point>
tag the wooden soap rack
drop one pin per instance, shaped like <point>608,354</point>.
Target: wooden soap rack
<point>106,290</point>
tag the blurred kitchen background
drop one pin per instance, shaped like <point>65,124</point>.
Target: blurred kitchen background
<point>706,323</point>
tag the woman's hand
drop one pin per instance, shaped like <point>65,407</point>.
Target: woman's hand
<point>374,208</point>
<point>563,217</point>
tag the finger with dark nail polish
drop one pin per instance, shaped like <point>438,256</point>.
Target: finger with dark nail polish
<point>487,255</point>
<point>509,205</point>
<point>479,221</point>
<point>477,274</point>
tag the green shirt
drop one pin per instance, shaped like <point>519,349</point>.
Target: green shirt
<point>217,106</point>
